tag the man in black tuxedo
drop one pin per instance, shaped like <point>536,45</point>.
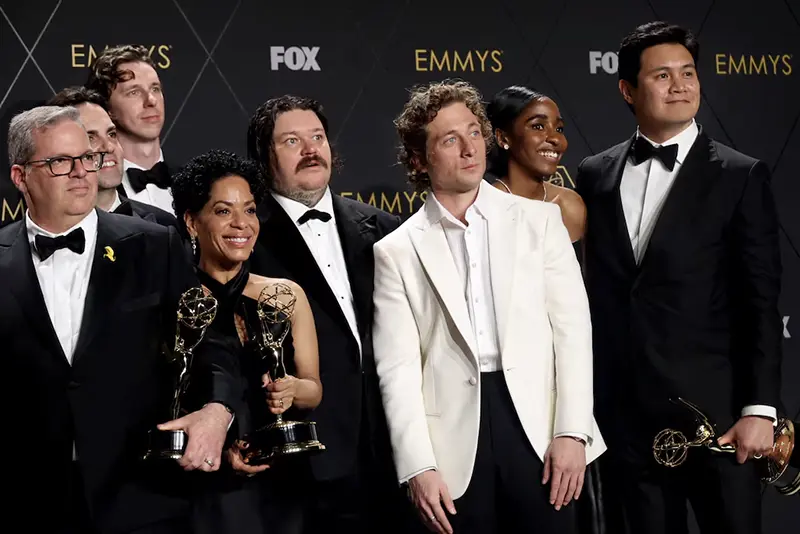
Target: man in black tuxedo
<point>682,266</point>
<point>324,243</point>
<point>87,299</point>
<point>127,79</point>
<point>104,137</point>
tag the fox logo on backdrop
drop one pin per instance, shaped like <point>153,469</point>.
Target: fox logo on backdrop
<point>294,57</point>
<point>608,62</point>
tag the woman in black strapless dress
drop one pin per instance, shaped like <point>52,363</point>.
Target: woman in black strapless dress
<point>215,196</point>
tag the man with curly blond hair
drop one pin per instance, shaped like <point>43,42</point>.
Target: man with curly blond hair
<point>482,336</point>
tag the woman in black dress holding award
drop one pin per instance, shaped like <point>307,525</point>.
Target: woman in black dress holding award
<point>215,197</point>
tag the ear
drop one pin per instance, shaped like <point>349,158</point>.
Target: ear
<point>501,137</point>
<point>627,90</point>
<point>416,163</point>
<point>190,224</point>
<point>18,178</point>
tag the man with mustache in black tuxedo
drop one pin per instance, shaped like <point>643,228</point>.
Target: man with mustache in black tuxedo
<point>324,243</point>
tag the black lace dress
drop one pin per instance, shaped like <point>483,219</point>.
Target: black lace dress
<point>271,502</point>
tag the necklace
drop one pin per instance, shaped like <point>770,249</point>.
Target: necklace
<point>544,196</point>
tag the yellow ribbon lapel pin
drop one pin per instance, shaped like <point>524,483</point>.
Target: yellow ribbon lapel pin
<point>110,254</point>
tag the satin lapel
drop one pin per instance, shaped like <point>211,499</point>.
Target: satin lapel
<point>104,282</point>
<point>24,285</point>
<point>697,172</point>
<point>503,229</point>
<point>357,234</point>
<point>433,251</point>
<point>283,243</point>
<point>615,166</point>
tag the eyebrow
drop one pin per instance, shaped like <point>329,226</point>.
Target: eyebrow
<point>451,132</point>
<point>294,132</point>
<point>664,67</point>
<point>228,203</point>
<point>544,117</point>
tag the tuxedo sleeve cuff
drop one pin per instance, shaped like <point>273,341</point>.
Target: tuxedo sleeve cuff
<point>586,439</point>
<point>415,473</point>
<point>761,410</point>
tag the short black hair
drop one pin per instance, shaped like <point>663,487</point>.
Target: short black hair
<point>646,36</point>
<point>502,111</point>
<point>191,186</point>
<point>260,146</point>
<point>77,95</point>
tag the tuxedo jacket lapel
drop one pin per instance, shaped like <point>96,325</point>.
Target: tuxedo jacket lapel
<point>105,282</point>
<point>698,171</point>
<point>434,253</point>
<point>24,285</point>
<point>615,166</point>
<point>286,245</point>
<point>502,234</point>
<point>356,234</point>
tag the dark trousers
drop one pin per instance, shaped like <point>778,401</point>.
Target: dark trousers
<point>641,496</point>
<point>505,493</point>
<point>368,501</point>
<point>73,517</point>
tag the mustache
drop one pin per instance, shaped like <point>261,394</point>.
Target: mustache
<point>307,161</point>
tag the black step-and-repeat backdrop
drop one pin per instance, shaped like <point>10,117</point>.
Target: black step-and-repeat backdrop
<point>218,60</point>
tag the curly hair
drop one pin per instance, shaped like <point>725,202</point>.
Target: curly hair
<point>260,145</point>
<point>420,110</point>
<point>191,186</point>
<point>75,96</point>
<point>104,74</point>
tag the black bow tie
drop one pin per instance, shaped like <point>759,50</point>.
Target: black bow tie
<point>314,214</point>
<point>158,175</point>
<point>643,150</point>
<point>46,246</point>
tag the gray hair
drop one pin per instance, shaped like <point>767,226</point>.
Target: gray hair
<point>20,132</point>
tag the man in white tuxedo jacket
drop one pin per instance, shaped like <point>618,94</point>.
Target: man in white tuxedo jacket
<point>482,337</point>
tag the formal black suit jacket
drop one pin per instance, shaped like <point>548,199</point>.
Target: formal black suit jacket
<point>146,211</point>
<point>118,387</point>
<point>698,318</point>
<point>349,386</point>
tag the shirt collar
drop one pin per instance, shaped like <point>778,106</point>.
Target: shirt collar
<point>684,140</point>
<point>117,202</point>
<point>437,212</point>
<point>131,165</point>
<point>88,224</point>
<point>295,209</point>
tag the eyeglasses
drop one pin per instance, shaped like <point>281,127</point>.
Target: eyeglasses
<point>63,165</point>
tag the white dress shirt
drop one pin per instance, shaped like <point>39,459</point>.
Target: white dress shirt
<point>151,194</point>
<point>643,190</point>
<point>322,239</point>
<point>64,280</point>
<point>469,248</point>
<point>117,202</point>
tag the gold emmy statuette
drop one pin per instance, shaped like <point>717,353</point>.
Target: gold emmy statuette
<point>671,447</point>
<point>280,438</point>
<point>196,310</point>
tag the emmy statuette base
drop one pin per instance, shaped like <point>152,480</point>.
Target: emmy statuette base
<point>165,444</point>
<point>282,439</point>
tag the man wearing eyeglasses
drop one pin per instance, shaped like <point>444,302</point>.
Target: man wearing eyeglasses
<point>87,299</point>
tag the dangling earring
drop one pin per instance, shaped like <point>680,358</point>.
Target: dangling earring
<point>194,245</point>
